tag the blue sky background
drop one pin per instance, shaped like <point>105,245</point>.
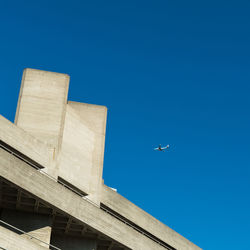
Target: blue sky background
<point>170,72</point>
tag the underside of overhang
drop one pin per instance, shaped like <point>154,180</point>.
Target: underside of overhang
<point>15,198</point>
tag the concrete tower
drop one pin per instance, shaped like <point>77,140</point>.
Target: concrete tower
<point>52,195</point>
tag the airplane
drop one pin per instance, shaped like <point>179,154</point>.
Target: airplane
<point>160,148</point>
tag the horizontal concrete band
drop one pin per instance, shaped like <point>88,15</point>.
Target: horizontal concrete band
<point>24,176</point>
<point>144,220</point>
<point>11,240</point>
<point>25,143</point>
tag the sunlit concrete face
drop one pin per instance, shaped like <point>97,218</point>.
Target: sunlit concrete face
<point>81,160</point>
<point>42,105</point>
<point>27,144</point>
<point>41,108</point>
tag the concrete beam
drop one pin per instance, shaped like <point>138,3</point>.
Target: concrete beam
<point>21,174</point>
<point>130,211</point>
<point>13,241</point>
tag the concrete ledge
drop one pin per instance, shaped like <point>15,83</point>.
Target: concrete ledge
<point>25,143</point>
<point>127,209</point>
<point>10,240</point>
<point>21,174</point>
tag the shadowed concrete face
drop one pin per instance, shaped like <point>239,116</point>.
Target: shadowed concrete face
<point>36,225</point>
<point>73,243</point>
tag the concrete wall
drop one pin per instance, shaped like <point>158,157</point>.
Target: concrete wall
<point>82,152</point>
<point>73,243</point>
<point>12,241</point>
<point>124,207</point>
<point>42,106</point>
<point>36,225</point>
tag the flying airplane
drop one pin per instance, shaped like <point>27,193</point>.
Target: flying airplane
<point>160,148</point>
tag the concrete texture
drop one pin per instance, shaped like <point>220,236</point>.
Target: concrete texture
<point>18,172</point>
<point>42,106</point>
<point>82,152</point>
<point>26,144</point>
<point>12,241</point>
<point>36,225</point>
<point>130,211</point>
<point>73,243</point>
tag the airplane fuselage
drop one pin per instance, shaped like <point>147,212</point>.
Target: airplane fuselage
<point>161,149</point>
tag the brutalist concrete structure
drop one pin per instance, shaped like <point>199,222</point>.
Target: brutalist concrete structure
<point>52,195</point>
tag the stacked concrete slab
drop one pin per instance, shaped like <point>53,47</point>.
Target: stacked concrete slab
<point>51,189</point>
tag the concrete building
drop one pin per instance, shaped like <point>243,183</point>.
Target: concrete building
<point>52,195</point>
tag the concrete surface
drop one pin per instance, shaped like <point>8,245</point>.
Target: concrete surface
<point>81,161</point>
<point>36,225</point>
<point>42,106</point>
<point>73,243</point>
<point>26,144</point>
<point>12,241</point>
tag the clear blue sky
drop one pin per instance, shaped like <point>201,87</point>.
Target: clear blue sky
<point>171,72</point>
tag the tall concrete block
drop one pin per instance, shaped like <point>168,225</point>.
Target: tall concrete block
<point>42,106</point>
<point>82,151</point>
